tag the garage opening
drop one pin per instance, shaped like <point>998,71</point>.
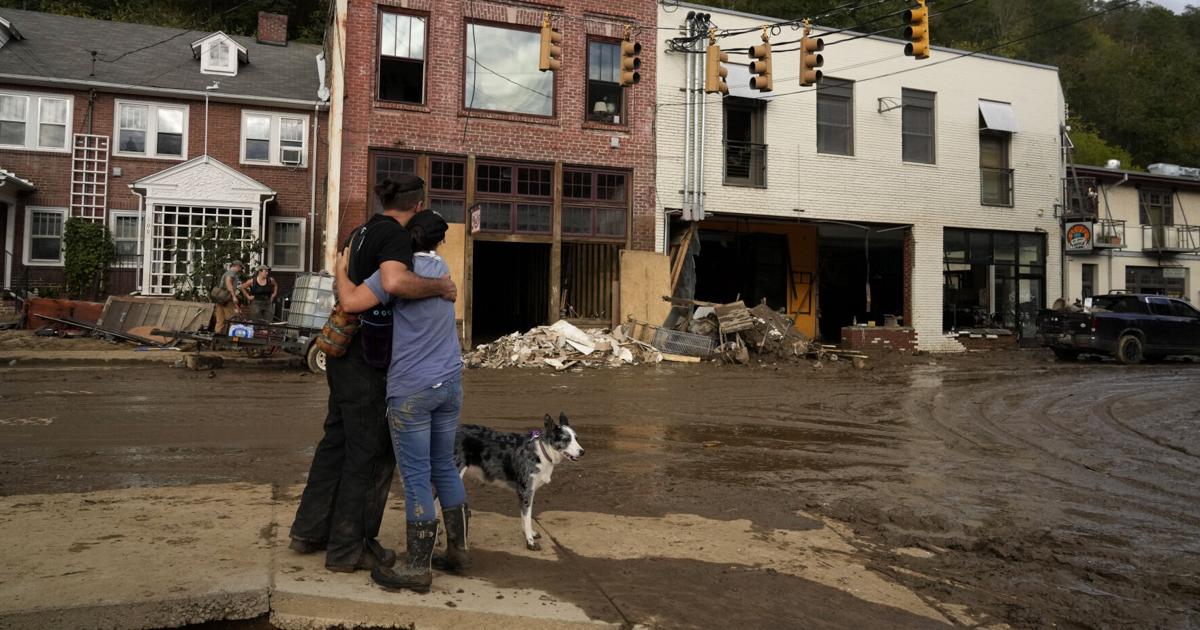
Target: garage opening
<point>747,266</point>
<point>511,288</point>
<point>846,263</point>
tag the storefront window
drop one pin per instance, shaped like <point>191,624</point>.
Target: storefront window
<point>993,280</point>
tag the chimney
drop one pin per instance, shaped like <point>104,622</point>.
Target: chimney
<point>272,28</point>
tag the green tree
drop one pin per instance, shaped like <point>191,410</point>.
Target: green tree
<point>1092,150</point>
<point>88,251</point>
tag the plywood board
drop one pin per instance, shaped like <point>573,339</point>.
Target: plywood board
<point>645,278</point>
<point>454,251</point>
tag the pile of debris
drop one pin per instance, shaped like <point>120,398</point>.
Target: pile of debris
<point>563,346</point>
<point>740,331</point>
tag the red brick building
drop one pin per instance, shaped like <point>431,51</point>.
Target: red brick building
<point>558,166</point>
<point>110,121</point>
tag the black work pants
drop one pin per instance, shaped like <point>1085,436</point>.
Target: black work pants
<point>351,472</point>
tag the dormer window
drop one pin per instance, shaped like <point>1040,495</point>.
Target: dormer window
<point>219,54</point>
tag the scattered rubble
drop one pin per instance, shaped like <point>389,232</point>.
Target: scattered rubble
<point>563,346</point>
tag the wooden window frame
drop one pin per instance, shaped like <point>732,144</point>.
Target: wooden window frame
<point>379,55</point>
<point>553,115</point>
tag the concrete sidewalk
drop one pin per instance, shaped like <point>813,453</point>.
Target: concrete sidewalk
<point>164,557</point>
<point>34,357</point>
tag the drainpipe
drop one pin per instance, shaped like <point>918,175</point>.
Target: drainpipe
<point>689,69</point>
<point>312,192</point>
<point>697,159</point>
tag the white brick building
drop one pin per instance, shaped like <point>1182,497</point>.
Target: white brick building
<point>763,175</point>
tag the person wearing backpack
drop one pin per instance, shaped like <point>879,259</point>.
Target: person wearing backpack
<point>344,498</point>
<point>225,297</point>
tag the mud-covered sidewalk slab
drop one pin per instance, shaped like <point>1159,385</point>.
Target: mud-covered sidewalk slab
<point>171,556</point>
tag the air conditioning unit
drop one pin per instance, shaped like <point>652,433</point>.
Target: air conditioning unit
<point>291,155</point>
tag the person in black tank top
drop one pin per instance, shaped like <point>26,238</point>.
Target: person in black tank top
<point>344,498</point>
<point>260,292</point>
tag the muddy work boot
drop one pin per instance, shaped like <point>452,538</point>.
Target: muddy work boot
<point>301,546</point>
<point>374,555</point>
<point>456,558</point>
<point>414,572</point>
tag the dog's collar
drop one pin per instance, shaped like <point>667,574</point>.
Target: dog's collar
<point>543,449</point>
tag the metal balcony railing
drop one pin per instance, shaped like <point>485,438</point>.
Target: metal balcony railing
<point>996,186</point>
<point>1083,199</point>
<point>1108,234</point>
<point>1171,239</point>
<point>745,164</point>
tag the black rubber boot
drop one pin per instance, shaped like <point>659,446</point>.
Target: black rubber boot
<point>456,559</point>
<point>414,572</point>
<point>373,555</point>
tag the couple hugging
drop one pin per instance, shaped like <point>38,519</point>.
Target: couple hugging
<point>395,397</point>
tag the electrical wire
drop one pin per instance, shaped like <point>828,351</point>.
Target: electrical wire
<point>210,20</point>
<point>1107,9</point>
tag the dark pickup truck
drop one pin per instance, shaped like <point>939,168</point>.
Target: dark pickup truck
<point>1130,327</point>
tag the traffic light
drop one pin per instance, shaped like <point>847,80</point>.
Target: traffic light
<point>761,66</point>
<point>917,31</point>
<point>715,71</point>
<point>630,63</point>
<point>811,59</point>
<point>551,57</point>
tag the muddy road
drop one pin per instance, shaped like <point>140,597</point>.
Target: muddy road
<point>1022,490</point>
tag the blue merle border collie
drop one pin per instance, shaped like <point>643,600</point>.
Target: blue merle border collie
<point>522,462</point>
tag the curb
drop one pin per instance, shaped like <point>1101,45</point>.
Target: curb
<point>167,359</point>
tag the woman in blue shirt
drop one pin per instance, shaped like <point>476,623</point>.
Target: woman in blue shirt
<point>424,392</point>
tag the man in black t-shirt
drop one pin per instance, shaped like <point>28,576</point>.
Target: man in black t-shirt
<point>351,473</point>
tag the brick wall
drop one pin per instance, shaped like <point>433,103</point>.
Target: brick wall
<point>443,125</point>
<point>879,339</point>
<point>272,28</point>
<point>51,172</point>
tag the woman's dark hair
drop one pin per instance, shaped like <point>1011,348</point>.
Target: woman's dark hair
<point>402,192</point>
<point>427,230</point>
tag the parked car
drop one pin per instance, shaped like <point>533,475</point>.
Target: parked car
<point>1130,327</point>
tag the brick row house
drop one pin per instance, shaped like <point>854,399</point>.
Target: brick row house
<point>558,166</point>
<point>156,131</point>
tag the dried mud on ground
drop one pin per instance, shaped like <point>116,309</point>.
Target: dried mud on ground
<point>1002,488</point>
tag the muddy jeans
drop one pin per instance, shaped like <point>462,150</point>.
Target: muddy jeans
<point>423,430</point>
<point>223,313</point>
<point>351,471</point>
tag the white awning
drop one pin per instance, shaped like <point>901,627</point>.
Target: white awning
<point>998,116</point>
<point>739,82</point>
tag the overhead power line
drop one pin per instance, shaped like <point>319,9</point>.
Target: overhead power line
<point>1106,10</point>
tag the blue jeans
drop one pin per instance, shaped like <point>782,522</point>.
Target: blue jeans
<point>423,430</point>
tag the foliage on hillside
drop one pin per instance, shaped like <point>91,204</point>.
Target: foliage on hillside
<point>236,17</point>
<point>1130,74</point>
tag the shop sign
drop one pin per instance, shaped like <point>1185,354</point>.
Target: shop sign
<point>1174,272</point>
<point>1079,236</point>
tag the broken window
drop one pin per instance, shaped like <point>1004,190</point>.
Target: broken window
<point>401,58</point>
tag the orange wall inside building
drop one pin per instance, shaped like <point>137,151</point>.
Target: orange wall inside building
<point>802,247</point>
